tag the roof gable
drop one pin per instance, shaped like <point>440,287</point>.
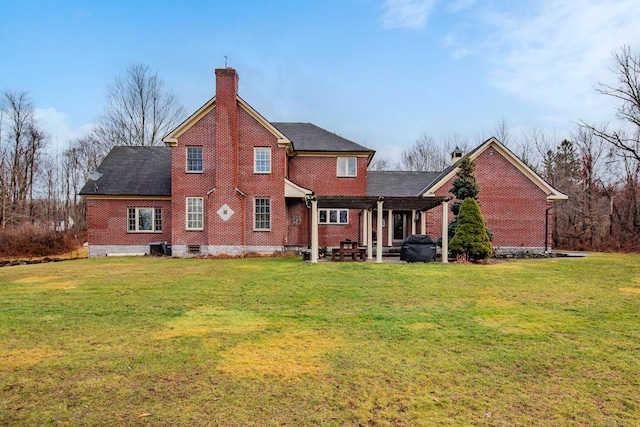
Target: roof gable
<point>172,137</point>
<point>447,174</point>
<point>132,171</point>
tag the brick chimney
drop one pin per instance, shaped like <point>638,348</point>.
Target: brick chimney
<point>226,132</point>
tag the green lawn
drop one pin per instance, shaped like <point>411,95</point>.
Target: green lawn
<point>269,342</point>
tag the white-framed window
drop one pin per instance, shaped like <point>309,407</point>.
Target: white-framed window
<point>194,159</point>
<point>194,213</point>
<point>262,159</point>
<point>333,216</point>
<point>347,166</point>
<point>262,213</point>
<point>144,220</point>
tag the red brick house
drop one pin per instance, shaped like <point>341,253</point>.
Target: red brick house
<point>229,182</point>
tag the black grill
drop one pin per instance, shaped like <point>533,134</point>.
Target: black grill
<point>418,248</point>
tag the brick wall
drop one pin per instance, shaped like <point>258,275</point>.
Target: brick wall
<point>328,234</point>
<point>107,222</point>
<point>185,185</point>
<point>512,205</point>
<point>228,135</point>
<point>298,223</point>
<point>252,134</point>
<point>319,174</point>
<point>333,234</point>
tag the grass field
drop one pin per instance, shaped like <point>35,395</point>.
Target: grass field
<point>271,342</point>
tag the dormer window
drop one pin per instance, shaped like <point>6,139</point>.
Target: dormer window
<point>347,166</point>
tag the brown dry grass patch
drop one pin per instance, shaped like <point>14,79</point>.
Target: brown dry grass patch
<point>491,301</point>
<point>283,355</point>
<point>60,286</point>
<point>35,279</point>
<point>11,359</point>
<point>48,282</point>
<point>207,320</point>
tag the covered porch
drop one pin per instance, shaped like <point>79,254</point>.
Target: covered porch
<point>376,207</point>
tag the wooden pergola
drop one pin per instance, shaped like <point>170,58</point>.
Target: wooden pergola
<point>378,203</point>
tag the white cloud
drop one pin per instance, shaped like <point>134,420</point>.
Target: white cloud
<point>410,14</point>
<point>556,56</point>
<point>461,53</point>
<point>460,5</point>
<point>56,124</point>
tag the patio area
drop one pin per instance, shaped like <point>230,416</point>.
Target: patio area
<point>371,206</point>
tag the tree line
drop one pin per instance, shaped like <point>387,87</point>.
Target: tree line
<point>598,167</point>
<point>40,187</point>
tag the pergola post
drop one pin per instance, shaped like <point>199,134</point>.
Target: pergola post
<point>423,222</point>
<point>365,230</point>
<point>417,205</point>
<point>413,221</point>
<point>370,234</point>
<point>379,233</point>
<point>314,230</point>
<point>445,231</point>
<point>390,228</point>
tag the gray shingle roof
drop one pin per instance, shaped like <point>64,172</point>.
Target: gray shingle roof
<point>398,183</point>
<point>309,137</point>
<point>133,171</point>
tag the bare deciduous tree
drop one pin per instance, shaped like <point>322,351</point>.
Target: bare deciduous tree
<point>502,132</point>
<point>21,146</point>
<point>380,163</point>
<point>428,154</point>
<point>627,91</point>
<point>139,110</point>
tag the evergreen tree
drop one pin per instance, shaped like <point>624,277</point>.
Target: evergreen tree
<point>471,240</point>
<point>464,186</point>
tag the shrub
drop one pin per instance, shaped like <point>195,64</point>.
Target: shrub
<point>471,241</point>
<point>28,240</point>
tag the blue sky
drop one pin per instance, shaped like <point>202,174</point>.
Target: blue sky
<point>378,72</point>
